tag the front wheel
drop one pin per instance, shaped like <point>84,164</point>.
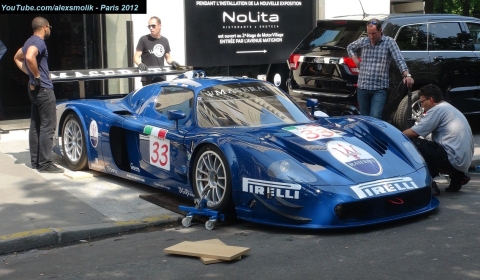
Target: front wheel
<point>211,172</point>
<point>73,143</point>
<point>400,119</point>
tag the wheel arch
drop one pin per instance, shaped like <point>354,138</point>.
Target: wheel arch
<point>400,119</point>
<point>228,202</point>
<point>61,122</point>
<point>223,148</point>
<point>396,97</point>
<point>402,91</point>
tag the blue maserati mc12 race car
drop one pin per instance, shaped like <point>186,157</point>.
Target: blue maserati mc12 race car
<point>254,148</point>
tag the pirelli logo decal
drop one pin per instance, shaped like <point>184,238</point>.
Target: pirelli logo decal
<point>382,187</point>
<point>271,189</point>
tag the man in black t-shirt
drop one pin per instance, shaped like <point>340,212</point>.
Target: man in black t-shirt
<point>151,50</point>
<point>32,59</point>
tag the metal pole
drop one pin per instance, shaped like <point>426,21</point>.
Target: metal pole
<point>101,49</point>
<point>409,108</point>
<point>130,51</point>
<point>85,42</point>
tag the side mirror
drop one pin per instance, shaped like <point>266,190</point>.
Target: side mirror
<point>176,115</point>
<point>262,77</point>
<point>277,80</point>
<point>320,114</point>
<point>192,74</point>
<point>312,103</point>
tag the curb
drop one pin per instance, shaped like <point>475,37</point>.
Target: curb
<point>28,240</point>
<point>474,164</point>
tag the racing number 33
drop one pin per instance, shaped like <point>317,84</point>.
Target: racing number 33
<point>160,152</point>
<point>311,132</point>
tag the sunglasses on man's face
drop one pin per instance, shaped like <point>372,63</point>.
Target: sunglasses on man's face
<point>151,26</point>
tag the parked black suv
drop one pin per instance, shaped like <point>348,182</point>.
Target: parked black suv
<point>438,48</point>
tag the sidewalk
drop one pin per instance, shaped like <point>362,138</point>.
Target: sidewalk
<point>38,209</point>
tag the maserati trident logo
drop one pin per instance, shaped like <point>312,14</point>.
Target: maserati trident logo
<point>355,158</point>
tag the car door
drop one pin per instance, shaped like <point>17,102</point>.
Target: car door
<point>473,37</point>
<point>412,41</point>
<point>161,145</point>
<point>455,65</point>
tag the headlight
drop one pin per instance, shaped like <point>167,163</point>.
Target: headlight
<point>291,171</point>
<point>412,150</point>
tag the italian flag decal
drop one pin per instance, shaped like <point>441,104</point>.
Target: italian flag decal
<point>155,131</point>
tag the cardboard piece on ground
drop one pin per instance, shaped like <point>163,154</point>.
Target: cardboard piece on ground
<point>215,251</point>
<point>206,260</point>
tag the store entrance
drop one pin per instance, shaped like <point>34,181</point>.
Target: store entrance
<point>73,44</point>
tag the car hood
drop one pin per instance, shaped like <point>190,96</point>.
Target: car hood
<point>342,155</point>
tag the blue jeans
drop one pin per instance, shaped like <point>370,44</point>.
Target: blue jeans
<point>371,102</point>
<point>42,126</point>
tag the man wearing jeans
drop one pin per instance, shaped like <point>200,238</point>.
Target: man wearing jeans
<point>377,52</point>
<point>32,59</point>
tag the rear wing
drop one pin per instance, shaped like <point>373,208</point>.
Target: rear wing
<point>82,75</point>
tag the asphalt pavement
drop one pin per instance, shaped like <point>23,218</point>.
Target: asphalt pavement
<point>39,209</point>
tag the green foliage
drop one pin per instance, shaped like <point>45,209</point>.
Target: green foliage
<point>455,6</point>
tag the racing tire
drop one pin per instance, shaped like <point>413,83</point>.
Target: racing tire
<point>211,170</point>
<point>400,120</point>
<point>73,143</point>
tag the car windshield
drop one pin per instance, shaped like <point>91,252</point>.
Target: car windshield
<point>333,33</point>
<point>251,104</point>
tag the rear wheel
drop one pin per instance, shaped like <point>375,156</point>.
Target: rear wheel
<point>400,119</point>
<point>212,173</point>
<point>73,143</point>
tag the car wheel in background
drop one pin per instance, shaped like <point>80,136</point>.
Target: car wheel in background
<point>400,119</point>
<point>73,143</point>
<point>211,171</point>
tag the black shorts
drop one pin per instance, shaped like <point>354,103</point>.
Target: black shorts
<point>435,156</point>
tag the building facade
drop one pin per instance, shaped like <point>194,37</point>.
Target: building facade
<point>93,41</point>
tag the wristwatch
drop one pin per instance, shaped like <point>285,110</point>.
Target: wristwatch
<point>408,75</point>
